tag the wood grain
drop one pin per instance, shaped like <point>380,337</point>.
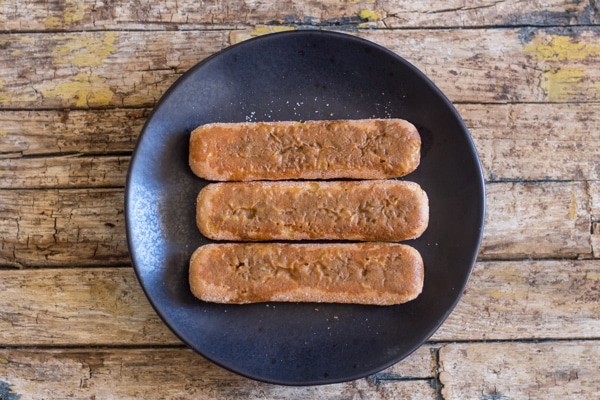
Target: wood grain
<point>129,68</point>
<point>535,142</point>
<point>528,300</point>
<point>64,171</point>
<point>179,373</point>
<point>185,14</point>
<point>104,306</point>
<point>560,212</point>
<point>63,132</point>
<point>515,142</point>
<point>549,370</point>
<point>505,300</point>
<point>536,220</point>
<point>62,227</point>
<point>67,227</point>
<point>499,66</point>
<point>97,69</point>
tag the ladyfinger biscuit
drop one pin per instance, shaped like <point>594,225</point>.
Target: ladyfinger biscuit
<point>357,149</point>
<point>368,210</point>
<point>360,273</point>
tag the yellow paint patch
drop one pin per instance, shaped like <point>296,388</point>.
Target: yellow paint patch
<point>73,12</point>
<point>5,324</point>
<point>86,50</point>
<point>264,30</point>
<point>592,276</point>
<point>564,83</point>
<point>14,97</point>
<point>497,294</point>
<point>3,361</point>
<point>573,203</point>
<point>3,97</point>
<point>16,40</point>
<point>3,132</point>
<point>369,15</point>
<point>15,52</point>
<point>561,48</point>
<point>82,90</point>
<point>565,61</point>
<point>240,36</point>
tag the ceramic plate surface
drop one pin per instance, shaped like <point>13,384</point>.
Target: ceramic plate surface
<point>301,75</point>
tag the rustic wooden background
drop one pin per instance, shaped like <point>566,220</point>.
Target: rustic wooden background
<point>77,81</point>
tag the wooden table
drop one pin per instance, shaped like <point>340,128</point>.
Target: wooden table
<point>77,81</point>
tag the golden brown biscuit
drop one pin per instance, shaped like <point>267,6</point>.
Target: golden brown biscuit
<point>360,273</point>
<point>358,149</point>
<point>370,210</point>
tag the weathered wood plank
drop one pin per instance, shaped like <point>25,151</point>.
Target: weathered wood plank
<point>85,226</point>
<point>131,68</point>
<point>77,307</point>
<point>551,370</point>
<point>63,171</point>
<point>97,69</point>
<point>88,14</point>
<point>528,300</point>
<point>524,65</point>
<point>421,364</point>
<point>34,133</point>
<point>171,373</point>
<point>536,220</point>
<point>487,13</point>
<point>509,300</point>
<point>536,141</point>
<point>62,227</point>
<point>516,142</point>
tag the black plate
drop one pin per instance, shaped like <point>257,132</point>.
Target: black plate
<point>301,75</point>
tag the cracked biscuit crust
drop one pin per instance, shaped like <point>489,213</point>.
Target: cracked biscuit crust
<point>359,273</point>
<point>371,210</point>
<point>356,149</point>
